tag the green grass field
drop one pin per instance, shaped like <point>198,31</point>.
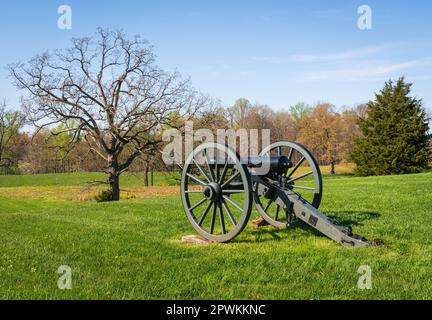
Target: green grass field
<point>132,249</point>
<point>82,178</point>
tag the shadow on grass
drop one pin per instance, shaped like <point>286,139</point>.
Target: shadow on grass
<point>353,218</point>
<point>269,233</point>
<point>263,234</point>
<point>356,218</point>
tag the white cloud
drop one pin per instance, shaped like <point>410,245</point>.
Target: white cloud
<point>365,72</point>
<point>338,56</point>
<point>351,65</point>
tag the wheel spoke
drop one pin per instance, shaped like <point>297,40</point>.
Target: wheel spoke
<point>212,223</point>
<point>232,191</point>
<point>205,213</point>
<point>277,211</point>
<point>196,205</point>
<point>300,177</point>
<point>268,205</point>
<point>216,167</point>
<point>290,154</point>
<point>296,167</point>
<point>230,179</point>
<point>193,191</point>
<point>224,171</point>
<point>232,202</point>
<point>228,211</point>
<point>279,151</point>
<point>302,187</point>
<point>208,165</point>
<point>202,171</point>
<point>221,217</point>
<point>196,179</point>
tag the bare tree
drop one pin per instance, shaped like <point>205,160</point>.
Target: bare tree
<point>11,123</point>
<point>105,89</point>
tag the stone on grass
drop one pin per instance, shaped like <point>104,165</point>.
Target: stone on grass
<point>195,239</point>
<point>260,222</point>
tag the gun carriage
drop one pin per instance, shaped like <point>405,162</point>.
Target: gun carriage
<point>218,189</point>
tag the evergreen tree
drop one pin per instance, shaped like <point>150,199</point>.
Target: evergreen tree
<point>394,133</point>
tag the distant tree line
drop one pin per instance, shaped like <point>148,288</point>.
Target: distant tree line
<point>333,137</point>
<point>327,133</point>
<point>103,104</point>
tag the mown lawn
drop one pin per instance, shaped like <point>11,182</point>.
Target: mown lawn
<point>126,180</point>
<point>84,178</point>
<point>132,249</point>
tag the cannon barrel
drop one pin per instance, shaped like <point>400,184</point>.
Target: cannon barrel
<point>269,165</point>
<point>262,165</point>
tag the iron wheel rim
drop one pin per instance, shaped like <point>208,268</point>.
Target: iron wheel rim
<point>216,208</point>
<point>272,219</point>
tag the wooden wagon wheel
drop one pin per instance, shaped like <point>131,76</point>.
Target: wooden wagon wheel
<point>304,177</point>
<point>216,192</point>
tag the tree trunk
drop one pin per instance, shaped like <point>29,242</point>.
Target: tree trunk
<point>152,176</point>
<point>332,167</point>
<point>113,178</point>
<point>114,183</point>
<point>146,170</point>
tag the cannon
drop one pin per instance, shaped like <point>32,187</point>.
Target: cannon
<point>218,189</point>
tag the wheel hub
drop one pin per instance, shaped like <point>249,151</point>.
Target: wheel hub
<point>212,191</point>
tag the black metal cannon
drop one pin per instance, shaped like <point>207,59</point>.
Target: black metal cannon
<point>285,182</point>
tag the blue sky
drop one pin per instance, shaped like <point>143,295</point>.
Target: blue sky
<point>272,52</point>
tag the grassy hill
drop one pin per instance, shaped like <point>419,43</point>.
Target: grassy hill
<point>132,249</point>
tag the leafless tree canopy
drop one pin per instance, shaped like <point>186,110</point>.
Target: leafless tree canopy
<point>108,90</point>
